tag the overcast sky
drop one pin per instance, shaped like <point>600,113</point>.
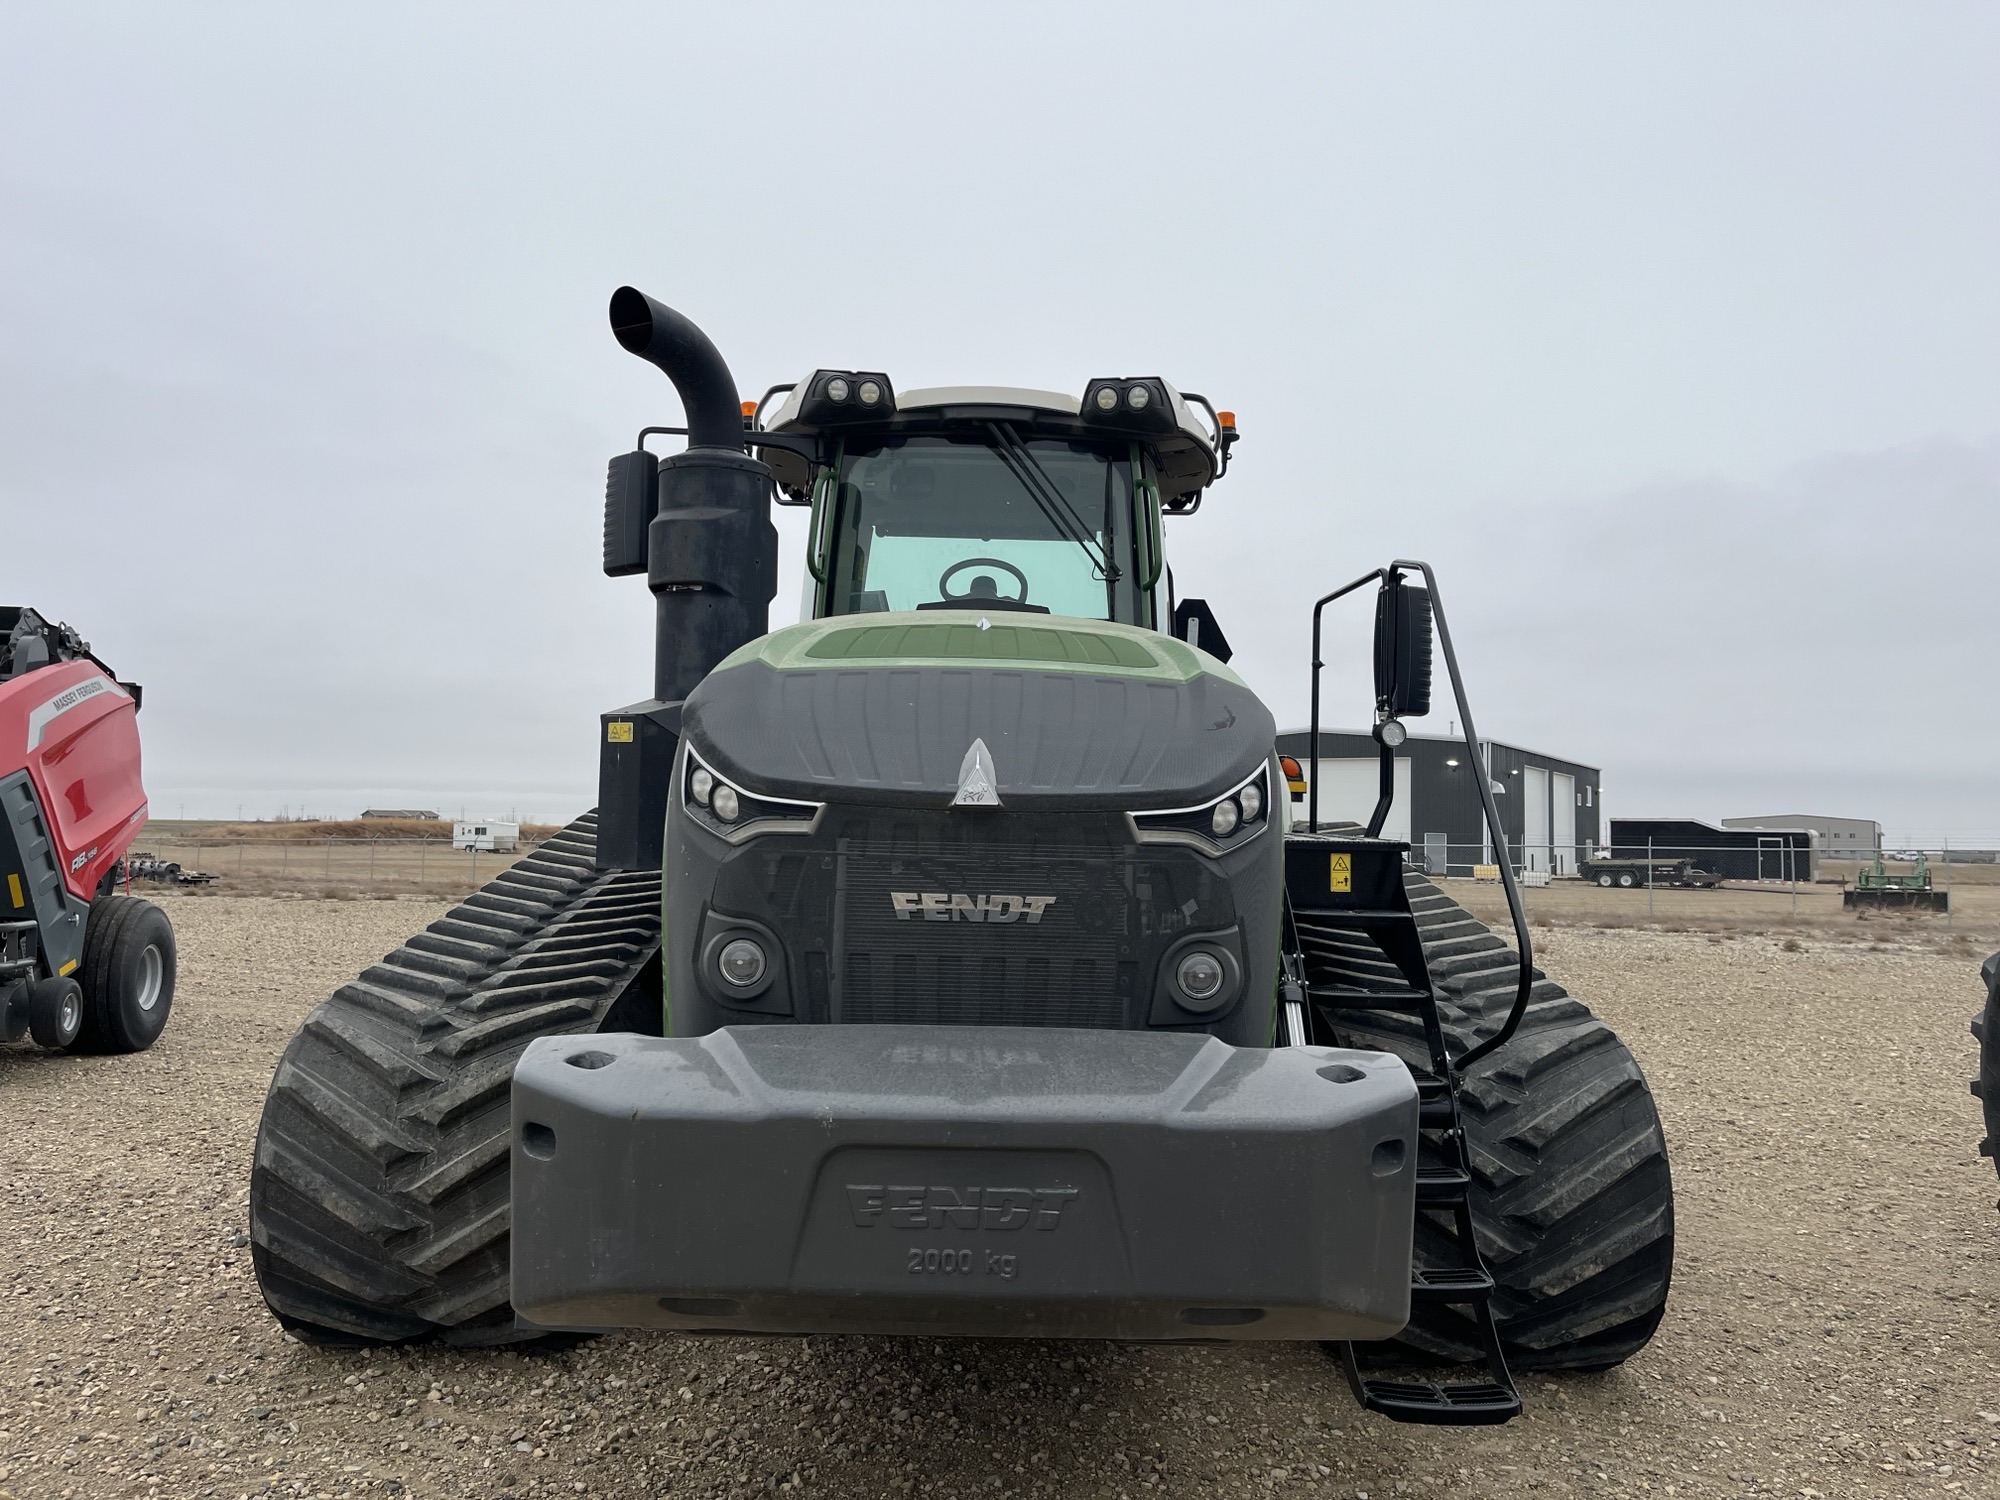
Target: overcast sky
<point>1670,334</point>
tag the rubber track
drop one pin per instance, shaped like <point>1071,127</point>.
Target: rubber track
<point>1986,1087</point>
<point>1572,1198</point>
<point>379,1200</point>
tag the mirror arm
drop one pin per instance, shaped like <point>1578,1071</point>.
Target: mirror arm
<point>808,448</point>
<point>1312,777</point>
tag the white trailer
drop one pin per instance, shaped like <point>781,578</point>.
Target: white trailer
<point>505,837</point>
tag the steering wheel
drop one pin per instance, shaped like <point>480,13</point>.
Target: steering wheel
<point>975,594</point>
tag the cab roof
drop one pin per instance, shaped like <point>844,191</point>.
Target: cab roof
<point>1187,459</point>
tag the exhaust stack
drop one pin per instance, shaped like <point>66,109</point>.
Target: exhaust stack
<point>711,560</point>
<point>663,337</point>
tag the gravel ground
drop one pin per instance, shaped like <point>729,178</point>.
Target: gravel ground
<point>1834,1331</point>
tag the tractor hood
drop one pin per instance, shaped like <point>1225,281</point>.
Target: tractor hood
<point>882,708</point>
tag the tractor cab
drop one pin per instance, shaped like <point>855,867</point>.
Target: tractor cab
<point>988,497</point>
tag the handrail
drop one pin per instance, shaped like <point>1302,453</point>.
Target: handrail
<point>1522,942</point>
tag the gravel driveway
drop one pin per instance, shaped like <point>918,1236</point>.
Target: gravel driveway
<point>1834,1330</point>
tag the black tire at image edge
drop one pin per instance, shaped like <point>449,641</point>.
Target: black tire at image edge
<point>1986,1086</point>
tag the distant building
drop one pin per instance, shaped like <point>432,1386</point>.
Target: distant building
<point>1733,853</point>
<point>419,814</point>
<point>1549,808</point>
<point>1833,838</point>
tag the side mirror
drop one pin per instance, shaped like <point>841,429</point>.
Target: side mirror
<point>1403,650</point>
<point>631,498</point>
<point>1194,622</point>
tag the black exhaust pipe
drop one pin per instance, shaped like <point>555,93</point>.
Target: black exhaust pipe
<point>663,337</point>
<point>711,562</point>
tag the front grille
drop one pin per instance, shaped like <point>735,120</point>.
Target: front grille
<point>1069,966</point>
<point>955,959</point>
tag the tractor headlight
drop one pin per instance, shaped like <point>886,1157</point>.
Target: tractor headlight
<point>1199,976</point>
<point>836,388</point>
<point>742,962</point>
<point>1107,398</point>
<point>1213,827</point>
<point>730,812</point>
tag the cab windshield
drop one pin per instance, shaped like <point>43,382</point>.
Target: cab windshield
<point>990,522</point>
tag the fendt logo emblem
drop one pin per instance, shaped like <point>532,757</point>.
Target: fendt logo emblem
<point>958,1208</point>
<point>956,906</point>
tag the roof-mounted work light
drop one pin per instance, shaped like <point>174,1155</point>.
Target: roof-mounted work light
<point>1138,404</point>
<point>836,396</point>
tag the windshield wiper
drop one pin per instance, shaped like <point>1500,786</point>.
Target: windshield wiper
<point>1055,507</point>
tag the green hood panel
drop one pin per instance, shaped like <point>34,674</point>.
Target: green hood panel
<point>1052,643</point>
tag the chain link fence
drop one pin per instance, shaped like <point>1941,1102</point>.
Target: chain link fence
<point>351,867</point>
<point>1772,879</point>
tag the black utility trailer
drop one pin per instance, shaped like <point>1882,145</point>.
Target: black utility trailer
<point>1640,872</point>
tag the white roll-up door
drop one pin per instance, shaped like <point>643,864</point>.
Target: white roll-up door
<point>1562,807</point>
<point>1534,818</point>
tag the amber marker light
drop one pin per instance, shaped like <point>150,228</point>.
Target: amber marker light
<point>1295,777</point>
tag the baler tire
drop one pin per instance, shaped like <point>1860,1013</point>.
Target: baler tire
<point>1572,1199</point>
<point>1986,1087</point>
<point>128,972</point>
<point>55,1011</point>
<point>379,1198</point>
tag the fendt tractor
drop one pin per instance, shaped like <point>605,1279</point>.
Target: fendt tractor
<point>955,962</point>
<point>83,968</point>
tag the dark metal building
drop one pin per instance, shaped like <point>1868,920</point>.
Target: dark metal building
<point>1549,807</point>
<point>1733,853</point>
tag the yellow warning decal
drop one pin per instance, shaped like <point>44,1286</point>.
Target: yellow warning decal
<point>64,970</point>
<point>618,732</point>
<point>14,890</point>
<point>1340,872</point>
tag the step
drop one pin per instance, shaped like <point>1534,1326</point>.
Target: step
<point>1436,1185</point>
<point>1450,1284</point>
<point>1349,916</point>
<point>1346,997</point>
<point>1475,1404</point>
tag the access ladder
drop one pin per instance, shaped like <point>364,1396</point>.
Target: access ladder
<point>1353,946</point>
